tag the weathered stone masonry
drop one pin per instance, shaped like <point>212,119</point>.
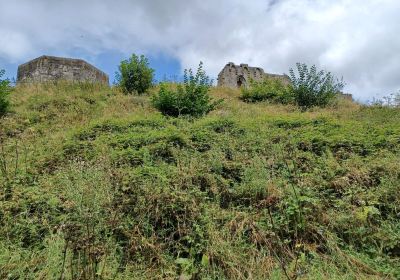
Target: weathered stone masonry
<point>50,68</point>
<point>235,76</point>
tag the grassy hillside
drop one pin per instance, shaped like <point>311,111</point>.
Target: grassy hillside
<point>97,184</point>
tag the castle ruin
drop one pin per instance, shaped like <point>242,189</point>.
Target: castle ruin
<point>51,68</point>
<point>236,76</point>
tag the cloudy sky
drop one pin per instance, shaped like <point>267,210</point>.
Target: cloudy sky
<point>356,39</point>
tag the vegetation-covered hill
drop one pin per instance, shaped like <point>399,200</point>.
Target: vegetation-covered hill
<point>99,185</point>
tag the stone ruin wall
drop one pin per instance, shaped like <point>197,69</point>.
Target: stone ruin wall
<point>235,76</point>
<point>50,68</point>
<point>347,96</point>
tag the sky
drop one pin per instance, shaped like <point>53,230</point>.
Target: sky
<point>354,39</point>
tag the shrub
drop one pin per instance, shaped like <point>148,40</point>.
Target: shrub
<point>312,88</point>
<point>4,92</point>
<point>190,98</point>
<point>135,75</point>
<point>270,89</point>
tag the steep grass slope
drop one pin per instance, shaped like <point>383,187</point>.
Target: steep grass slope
<point>98,185</point>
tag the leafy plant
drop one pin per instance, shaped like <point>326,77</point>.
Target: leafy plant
<point>190,98</point>
<point>135,75</point>
<point>4,92</point>
<point>270,89</point>
<point>314,88</point>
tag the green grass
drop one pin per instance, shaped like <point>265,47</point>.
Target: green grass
<point>99,185</point>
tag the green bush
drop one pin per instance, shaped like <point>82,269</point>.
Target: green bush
<point>190,98</point>
<point>135,75</point>
<point>4,92</point>
<point>270,89</point>
<point>312,88</point>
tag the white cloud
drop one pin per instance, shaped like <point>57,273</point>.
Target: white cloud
<point>354,38</point>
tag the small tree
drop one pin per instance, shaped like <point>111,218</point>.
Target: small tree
<point>135,75</point>
<point>190,98</point>
<point>5,89</point>
<point>312,88</point>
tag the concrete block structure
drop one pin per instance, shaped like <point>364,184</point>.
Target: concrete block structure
<point>236,76</point>
<point>51,68</point>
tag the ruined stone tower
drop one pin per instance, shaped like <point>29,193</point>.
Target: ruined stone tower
<point>50,68</point>
<point>236,76</point>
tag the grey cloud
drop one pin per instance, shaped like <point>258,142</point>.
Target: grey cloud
<point>354,38</point>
